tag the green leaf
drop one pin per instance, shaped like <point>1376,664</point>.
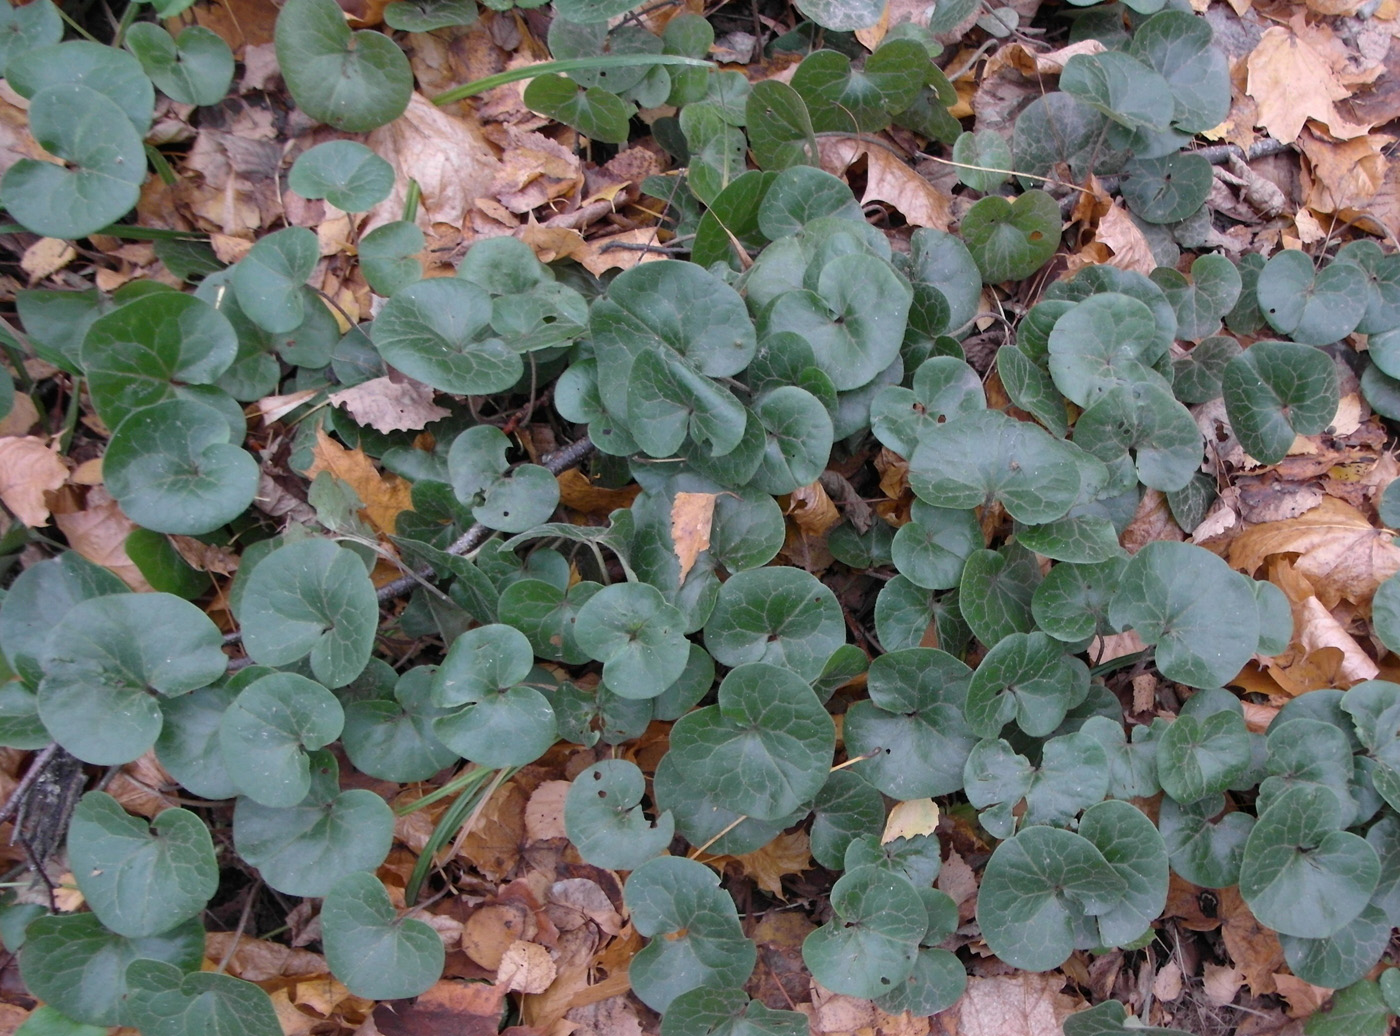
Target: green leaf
<point>1188,603</point>
<point>1390,988</point>
<point>854,320</point>
<point>1109,1017</point>
<point>1316,307</point>
<point>843,99</point>
<point>1145,422</point>
<point>348,175</point>
<point>932,547</point>
<point>164,1001</point>
<point>1205,852</point>
<point>696,940</point>
<point>1132,765</point>
<point>1180,47</point>
<point>941,262</point>
<point>912,728</point>
<point>1196,377</point>
<point>1300,874</point>
<point>639,638</point>
<point>996,779</point>
<point>1121,87</point>
<point>668,401</point>
<point>1106,341</point>
<point>1276,391</point>
<point>312,597</point>
<point>604,820</point>
<point>393,739</point>
<point>843,15</point>
<point>196,69</point>
<point>107,655</point>
<point>1036,887</point>
<point>1383,285</point>
<point>1029,386</point>
<point>984,160</point>
<point>1132,846</point>
<point>141,878</point>
<point>547,615</point>
<point>514,502</point>
<point>800,195</point>
<point>304,849</point>
<point>1027,677</point>
<point>103,167</point>
<point>1197,757</point>
<point>1314,753</point>
<point>700,820</point>
<point>352,81</point>
<point>798,436</point>
<point>1357,1010</point>
<point>79,967</point>
<point>1011,240</point>
<point>985,455</point>
<point>779,126</point>
<point>728,1012</point>
<point>268,281</point>
<point>936,983</point>
<point>1057,129</point>
<point>1385,613</point>
<point>995,592</point>
<point>376,954</point>
<point>28,28</point>
<point>870,945</point>
<point>388,257</point>
<point>594,112</point>
<point>1342,958</point>
<point>781,616</point>
<point>111,72</point>
<point>589,11</point>
<point>942,388</point>
<point>188,745</point>
<point>38,600</point>
<point>1203,301</point>
<point>1166,190</point>
<point>717,150</point>
<point>268,731</point>
<point>1072,602</point>
<point>46,1021</point>
<point>909,616</point>
<point>428,15</point>
<point>764,749</point>
<point>847,807</point>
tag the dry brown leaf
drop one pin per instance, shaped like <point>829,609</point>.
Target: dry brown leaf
<point>384,496</point>
<point>1291,78</point>
<point>1255,949</point>
<point>534,171</point>
<point>96,528</point>
<point>579,494</point>
<point>811,508</point>
<point>46,256</point>
<point>1221,983</point>
<point>601,254</point>
<point>1130,248</point>
<point>787,854</point>
<point>1303,998</point>
<point>1033,63</point>
<point>260,960</point>
<point>526,967</point>
<point>391,404</point>
<point>889,179</point>
<point>1346,173</point>
<point>907,819</point>
<point>274,408</point>
<point>448,157</point>
<point>957,879</point>
<point>544,813</point>
<point>493,929</point>
<point>1318,628</point>
<point>614,1016</point>
<point>691,517</point>
<point>450,1008</point>
<point>23,415</point>
<point>1166,984</point>
<point>1025,1004</point>
<point>836,1012</point>
<point>493,844</point>
<point>1339,552</point>
<point>1152,522</point>
<point>29,469</point>
<point>574,902</point>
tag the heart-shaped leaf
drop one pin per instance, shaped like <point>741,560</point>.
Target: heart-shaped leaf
<point>1205,852</point>
<point>38,600</point>
<point>604,819</point>
<point>593,111</point>
<point>843,15</point>
<point>1276,391</point>
<point>113,73</point>
<point>995,592</point>
<point>984,160</point>
<point>1121,87</point>
<point>514,502</point>
<point>388,257</point>
<point>28,28</point>
<point>1106,341</point>
<point>106,656</point>
<point>779,126</point>
<point>1196,376</point>
<point>1134,849</point>
<point>141,878</point>
<point>1181,48</point>
<point>196,68</point>
<point>781,616</point>
<point>1203,301</point>
<point>727,1012</point>
<point>1197,757</point>
<point>639,638</point>
<point>375,953</point>
<point>353,81</point>
<point>1072,602</point>
<point>1011,240</point>
<point>1027,677</point>
<point>1344,957</point>
<point>312,597</point>
<point>1383,285</point>
<point>348,175</point>
<point>848,807</point>
<point>764,749</point>
<point>162,1000</point>
<point>841,98</point>
<point>1168,189</point>
<point>1146,422</point>
<point>268,731</point>
<point>428,15</point>
<point>392,738</point>
<point>871,944</point>
<point>942,388</point>
<point>304,849</point>
<point>268,281</point>
<point>696,940</point>
<point>1316,307</point>
<point>932,548</point>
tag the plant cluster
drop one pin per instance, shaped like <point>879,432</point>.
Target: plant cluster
<point>793,336</point>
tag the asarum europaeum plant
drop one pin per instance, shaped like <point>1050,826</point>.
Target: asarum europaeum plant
<point>794,336</point>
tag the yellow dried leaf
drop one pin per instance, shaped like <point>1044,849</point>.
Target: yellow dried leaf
<point>384,496</point>
<point>811,508</point>
<point>45,256</point>
<point>29,469</point>
<point>691,517</point>
<point>907,819</point>
<point>1292,80</point>
<point>579,494</point>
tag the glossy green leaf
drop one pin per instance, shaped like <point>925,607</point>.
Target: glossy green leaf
<point>1035,889</point>
<point>106,657</point>
<point>764,749</point>
<point>140,877</point>
<point>912,728</point>
<point>696,940</point>
<point>428,15</point>
<point>1316,307</point>
<point>727,1012</point>
<point>639,638</point>
<point>984,160</point>
<point>781,616</point>
<point>604,819</point>
<point>1029,386</point>
<point>1026,677</point>
<point>846,808</point>
<point>348,175</point>
<point>268,281</point>
<point>268,731</point>
<point>1187,603</point>
<point>942,388</point>
<point>729,227</point>
<point>196,68</point>
<point>1110,1018</point>
<point>79,967</point>
<point>103,166</point>
<point>1200,757</point>
<point>376,954</point>
<point>512,502</point>
<point>1107,340</point>
<point>1300,874</point>
<point>1181,48</point>
<point>843,15</point>
<point>1196,377</point>
<point>1134,849</point>
<point>593,111</point>
<point>1276,391</point>
<point>843,99</point>
<point>27,28</point>
<point>1072,602</point>
<point>798,438</point>
<point>931,549</point>
<point>1166,190</point>
<point>800,195</point>
<point>1011,240</point>
<point>936,983</point>
<point>1121,87</point>
<point>700,820</point>
<point>162,1000</point>
<point>546,615</point>
<point>995,592</point>
<point>312,597</point>
<point>1357,1010</point>
<point>111,72</point>
<point>188,745</point>
<point>779,126</point>
<point>1205,851</point>
<point>871,944</point>
<point>393,739</point>
<point>48,1021</point>
<point>388,257</point>
<point>353,81</point>
<point>1147,423</point>
<point>1345,956</point>
<point>1203,301</point>
<point>1132,764</point>
<point>38,600</point>
<point>1382,281</point>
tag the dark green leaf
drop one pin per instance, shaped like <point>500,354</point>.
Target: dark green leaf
<point>352,81</point>
<point>376,954</point>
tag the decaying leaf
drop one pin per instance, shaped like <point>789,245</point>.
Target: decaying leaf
<point>1292,79</point>
<point>1317,628</point>
<point>907,819</point>
<point>889,179</point>
<point>29,468</point>
<point>384,496</point>
<point>96,528</point>
<point>391,404</point>
<point>1027,1004</point>
<point>691,517</point>
<point>789,853</point>
<point>526,967</point>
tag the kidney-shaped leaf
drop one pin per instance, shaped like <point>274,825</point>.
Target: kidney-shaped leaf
<point>1205,852</point>
<point>376,954</point>
<point>1027,677</point>
<point>728,1012</point>
<point>267,733</point>
<point>637,635</point>
<point>782,616</point>
<point>267,282</point>
<point>1197,757</point>
<point>196,68</point>
<point>1134,849</point>
<point>439,332</point>
<point>1276,391</point>
<point>1011,240</point>
<point>347,174</point>
<point>870,945</point>
<point>1312,306</point>
<point>162,1000</point>
<point>38,600</point>
<point>353,81</point>
<point>603,817</point>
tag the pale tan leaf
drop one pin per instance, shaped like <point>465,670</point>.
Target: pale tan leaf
<point>1024,1004</point>
<point>544,812</point>
<point>811,508</point>
<point>1346,173</point>
<point>1167,984</point>
<point>1130,248</point>
<point>691,517</point>
<point>1292,80</point>
<point>603,253</point>
<point>1318,628</point>
<point>23,416</point>
<point>908,819</point>
<point>96,528</point>
<point>889,179</point>
<point>261,960</point>
<point>391,404</point>
<point>1303,998</point>
<point>384,496</point>
<point>1221,983</point>
<point>46,256</point>
<point>274,408</point>
<point>611,1017</point>
<point>526,967</point>
<point>29,469</point>
<point>574,902</point>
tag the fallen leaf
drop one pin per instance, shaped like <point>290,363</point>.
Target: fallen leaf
<point>1166,985</point>
<point>23,415</point>
<point>579,494</point>
<point>1130,248</point>
<point>1339,552</point>
<point>1033,63</point>
<point>449,1008</point>
<point>789,853</point>
<point>908,819</point>
<point>391,404</point>
<point>1221,983</point>
<point>1303,998</point>
<point>544,812</point>
<point>526,967</point>
<point>1024,1004</point>
<point>811,508</point>
<point>273,408</point>
<point>29,469</point>
<point>96,528</point>
<point>493,843</point>
<point>691,517</point>
<point>1153,521</point>
<point>293,1020</point>
<point>1292,80</point>
<point>261,960</point>
<point>600,254</point>
<point>1346,173</point>
<point>1255,949</point>
<point>494,928</point>
<point>889,179</point>
<point>957,879</point>
<point>1318,628</point>
<point>835,1012</point>
<point>384,496</point>
<point>46,256</point>
<point>614,1016</point>
<point>574,902</point>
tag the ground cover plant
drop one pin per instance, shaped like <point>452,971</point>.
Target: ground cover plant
<point>767,517</point>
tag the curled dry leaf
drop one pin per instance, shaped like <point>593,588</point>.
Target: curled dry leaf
<point>384,496</point>
<point>691,517</point>
<point>1130,248</point>
<point>28,470</point>
<point>96,528</point>
<point>391,404</point>
<point>1318,628</point>
<point>789,853</point>
<point>889,179</point>
<point>811,508</point>
<point>526,967</point>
